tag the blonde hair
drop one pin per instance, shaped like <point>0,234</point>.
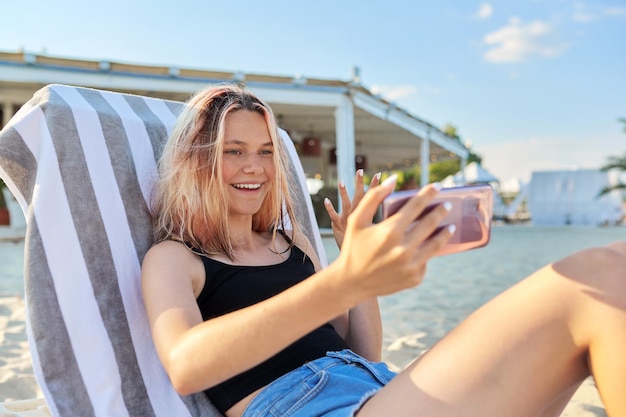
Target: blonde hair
<point>189,203</point>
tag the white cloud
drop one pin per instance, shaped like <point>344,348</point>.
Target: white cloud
<point>581,14</point>
<point>615,11</point>
<point>518,159</point>
<point>585,14</point>
<point>485,11</point>
<point>517,42</point>
<point>393,93</point>
<point>583,17</point>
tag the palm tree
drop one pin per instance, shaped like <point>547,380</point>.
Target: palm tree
<point>615,162</point>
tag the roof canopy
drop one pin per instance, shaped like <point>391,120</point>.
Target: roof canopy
<point>388,136</point>
<point>473,173</point>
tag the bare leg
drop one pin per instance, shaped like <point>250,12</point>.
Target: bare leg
<point>523,353</point>
<point>618,246</point>
<point>555,409</point>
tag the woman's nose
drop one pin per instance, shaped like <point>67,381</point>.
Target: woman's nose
<point>252,164</point>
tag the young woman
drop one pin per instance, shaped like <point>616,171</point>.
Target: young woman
<point>240,308</point>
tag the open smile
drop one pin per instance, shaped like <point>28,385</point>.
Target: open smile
<point>247,186</point>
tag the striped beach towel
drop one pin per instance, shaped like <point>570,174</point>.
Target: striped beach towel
<point>81,163</point>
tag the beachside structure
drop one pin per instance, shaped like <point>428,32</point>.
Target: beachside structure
<point>516,193</point>
<point>474,173</point>
<point>337,125</point>
<point>15,230</point>
<point>571,197</point>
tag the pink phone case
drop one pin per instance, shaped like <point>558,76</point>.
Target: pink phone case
<point>471,213</point>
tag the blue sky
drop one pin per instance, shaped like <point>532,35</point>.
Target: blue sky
<point>531,84</point>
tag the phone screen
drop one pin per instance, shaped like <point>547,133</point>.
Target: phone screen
<point>471,213</point>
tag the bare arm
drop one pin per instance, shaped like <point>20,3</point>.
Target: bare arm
<point>341,322</point>
<point>197,355</point>
<point>364,332</point>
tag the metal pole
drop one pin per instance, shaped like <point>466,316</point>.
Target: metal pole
<point>344,127</point>
<point>425,155</point>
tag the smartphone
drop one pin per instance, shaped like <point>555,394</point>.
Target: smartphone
<point>471,213</point>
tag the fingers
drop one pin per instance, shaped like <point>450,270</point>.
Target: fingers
<point>375,180</point>
<point>428,224</point>
<point>359,189</point>
<point>360,186</point>
<point>332,213</point>
<point>346,205</point>
<point>365,211</point>
<point>415,206</point>
<point>431,246</point>
<point>426,235</point>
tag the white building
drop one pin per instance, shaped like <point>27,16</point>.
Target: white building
<point>337,125</point>
<point>557,198</point>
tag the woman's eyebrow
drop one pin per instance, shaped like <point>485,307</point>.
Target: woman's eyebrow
<point>244,143</point>
<point>234,142</point>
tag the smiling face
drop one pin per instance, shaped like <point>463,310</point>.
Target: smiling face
<point>247,161</point>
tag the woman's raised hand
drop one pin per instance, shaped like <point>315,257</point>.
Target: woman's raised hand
<point>339,221</point>
<point>383,258</point>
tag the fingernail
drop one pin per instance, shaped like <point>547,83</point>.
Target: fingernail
<point>377,176</point>
<point>452,228</point>
<point>359,172</point>
<point>390,181</point>
<point>342,184</point>
<point>437,186</point>
<point>327,201</point>
<point>448,206</point>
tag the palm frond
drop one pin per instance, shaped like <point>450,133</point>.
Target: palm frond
<point>615,162</point>
<point>608,189</point>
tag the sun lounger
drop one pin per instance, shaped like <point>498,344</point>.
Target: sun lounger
<point>81,163</point>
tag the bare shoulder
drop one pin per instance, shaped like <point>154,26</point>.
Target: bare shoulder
<point>168,252</point>
<point>170,276</point>
<point>172,260</point>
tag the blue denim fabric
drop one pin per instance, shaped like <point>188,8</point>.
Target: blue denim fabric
<point>336,385</point>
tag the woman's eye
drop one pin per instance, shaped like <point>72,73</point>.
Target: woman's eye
<point>266,152</point>
<point>233,152</point>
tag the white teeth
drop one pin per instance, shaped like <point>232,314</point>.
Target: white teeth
<point>247,186</point>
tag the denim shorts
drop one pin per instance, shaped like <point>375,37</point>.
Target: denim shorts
<point>336,385</point>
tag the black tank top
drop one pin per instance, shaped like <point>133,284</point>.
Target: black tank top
<point>232,287</point>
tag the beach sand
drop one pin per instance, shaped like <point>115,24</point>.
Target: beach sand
<point>17,381</point>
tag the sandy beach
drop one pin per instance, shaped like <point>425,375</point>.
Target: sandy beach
<point>17,381</point>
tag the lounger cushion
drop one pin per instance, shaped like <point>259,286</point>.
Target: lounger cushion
<point>82,163</point>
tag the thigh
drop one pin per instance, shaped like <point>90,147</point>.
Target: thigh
<point>514,356</point>
<point>619,246</point>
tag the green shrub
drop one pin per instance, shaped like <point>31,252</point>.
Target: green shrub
<point>3,203</point>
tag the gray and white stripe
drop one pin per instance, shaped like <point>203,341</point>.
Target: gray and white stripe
<point>82,164</point>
